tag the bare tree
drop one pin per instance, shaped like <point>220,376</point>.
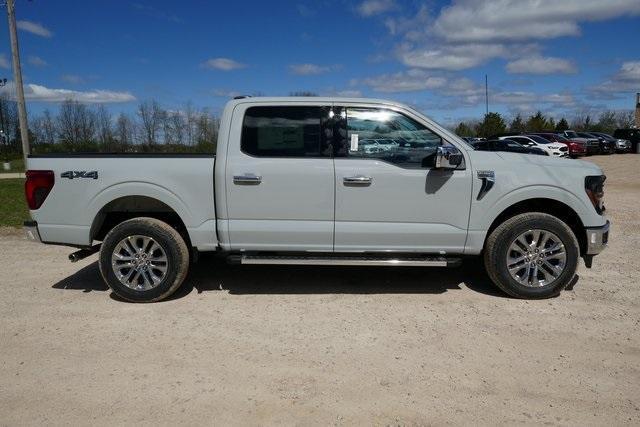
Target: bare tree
<point>76,123</point>
<point>48,127</point>
<point>104,125</point>
<point>191,119</point>
<point>177,126</point>
<point>150,117</point>
<point>36,129</point>
<point>625,119</point>
<point>124,130</point>
<point>9,119</point>
<point>207,127</point>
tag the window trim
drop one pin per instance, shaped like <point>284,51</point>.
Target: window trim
<point>322,125</point>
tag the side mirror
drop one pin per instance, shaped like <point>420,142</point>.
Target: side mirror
<point>448,157</point>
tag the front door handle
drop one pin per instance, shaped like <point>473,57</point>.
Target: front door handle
<point>357,180</point>
<point>247,179</point>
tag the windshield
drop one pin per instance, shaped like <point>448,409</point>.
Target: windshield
<point>539,139</point>
<point>571,134</point>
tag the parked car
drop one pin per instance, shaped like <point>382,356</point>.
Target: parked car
<point>554,149</point>
<point>592,144</point>
<point>289,186</point>
<point>606,147</point>
<point>508,146</point>
<point>631,135</point>
<point>620,145</point>
<point>577,148</point>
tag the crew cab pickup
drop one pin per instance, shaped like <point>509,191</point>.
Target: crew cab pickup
<point>292,183</point>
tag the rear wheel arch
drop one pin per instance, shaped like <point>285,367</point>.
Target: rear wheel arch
<point>134,206</point>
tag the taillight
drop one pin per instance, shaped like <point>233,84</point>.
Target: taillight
<point>37,187</point>
<point>594,186</point>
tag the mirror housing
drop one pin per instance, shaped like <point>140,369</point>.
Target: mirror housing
<point>448,157</point>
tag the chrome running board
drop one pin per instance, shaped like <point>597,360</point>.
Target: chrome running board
<point>350,261</point>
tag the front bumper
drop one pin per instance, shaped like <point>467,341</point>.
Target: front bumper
<point>31,231</point>
<point>597,238</point>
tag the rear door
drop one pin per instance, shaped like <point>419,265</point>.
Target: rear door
<point>280,179</point>
<point>392,199</point>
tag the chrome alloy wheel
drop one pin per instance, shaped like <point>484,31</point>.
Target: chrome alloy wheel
<point>139,262</point>
<point>536,258</point>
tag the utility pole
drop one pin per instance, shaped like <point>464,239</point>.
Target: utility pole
<point>17,72</point>
<point>486,94</point>
<point>3,138</point>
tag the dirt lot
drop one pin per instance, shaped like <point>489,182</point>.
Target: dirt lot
<point>268,345</point>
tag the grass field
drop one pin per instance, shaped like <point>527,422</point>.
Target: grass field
<point>17,165</point>
<point>13,207</point>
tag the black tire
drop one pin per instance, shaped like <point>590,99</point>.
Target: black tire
<point>497,247</point>
<point>171,242</point>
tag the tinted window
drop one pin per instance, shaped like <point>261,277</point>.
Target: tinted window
<point>284,132</point>
<point>389,136</point>
<point>539,139</point>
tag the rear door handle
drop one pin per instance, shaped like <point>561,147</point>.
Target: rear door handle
<point>357,180</point>
<point>247,179</point>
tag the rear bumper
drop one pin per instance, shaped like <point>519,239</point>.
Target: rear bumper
<point>597,238</point>
<point>31,231</point>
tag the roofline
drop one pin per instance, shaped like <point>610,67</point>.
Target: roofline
<point>316,99</point>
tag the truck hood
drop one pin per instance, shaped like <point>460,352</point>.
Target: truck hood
<point>556,145</point>
<point>513,159</point>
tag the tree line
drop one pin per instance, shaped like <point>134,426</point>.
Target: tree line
<point>494,123</point>
<point>78,127</point>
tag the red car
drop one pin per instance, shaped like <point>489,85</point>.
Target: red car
<point>576,148</point>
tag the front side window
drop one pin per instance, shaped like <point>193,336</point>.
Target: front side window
<point>283,131</point>
<point>390,136</point>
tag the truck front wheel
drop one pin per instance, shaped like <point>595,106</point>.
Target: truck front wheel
<point>532,255</point>
<point>144,260</point>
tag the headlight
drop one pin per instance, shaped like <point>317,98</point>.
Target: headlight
<point>594,186</point>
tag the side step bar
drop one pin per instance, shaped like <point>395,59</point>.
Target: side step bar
<point>348,261</point>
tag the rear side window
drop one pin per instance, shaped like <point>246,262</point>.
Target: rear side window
<point>284,132</point>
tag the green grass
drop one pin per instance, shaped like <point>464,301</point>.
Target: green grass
<point>13,206</point>
<point>17,165</point>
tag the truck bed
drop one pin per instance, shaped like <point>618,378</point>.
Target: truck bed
<point>88,184</point>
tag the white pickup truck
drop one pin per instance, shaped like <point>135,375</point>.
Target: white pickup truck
<point>291,183</point>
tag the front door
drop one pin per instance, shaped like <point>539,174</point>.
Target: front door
<point>388,196</point>
<point>280,179</point>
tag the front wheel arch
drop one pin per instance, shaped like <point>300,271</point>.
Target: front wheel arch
<point>551,207</point>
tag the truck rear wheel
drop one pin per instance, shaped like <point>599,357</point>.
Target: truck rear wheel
<point>532,255</point>
<point>144,260</point>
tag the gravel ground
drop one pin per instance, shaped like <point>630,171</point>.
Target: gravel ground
<point>267,345</point>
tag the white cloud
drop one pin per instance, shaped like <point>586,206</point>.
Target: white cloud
<point>409,81</point>
<point>469,33</point>
<point>4,62</point>
<point>375,7</point>
<point>36,61</point>
<point>625,80</point>
<point>223,64</point>
<point>454,57</point>
<point>541,65</point>
<point>38,93</point>
<point>311,69</point>
<point>73,79</point>
<point>34,28</point>
<point>499,20</point>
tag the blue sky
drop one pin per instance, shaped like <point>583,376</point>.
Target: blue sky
<point>563,57</point>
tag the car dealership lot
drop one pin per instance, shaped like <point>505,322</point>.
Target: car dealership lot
<point>325,345</point>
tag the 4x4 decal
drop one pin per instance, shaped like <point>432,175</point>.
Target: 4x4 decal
<point>79,174</point>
